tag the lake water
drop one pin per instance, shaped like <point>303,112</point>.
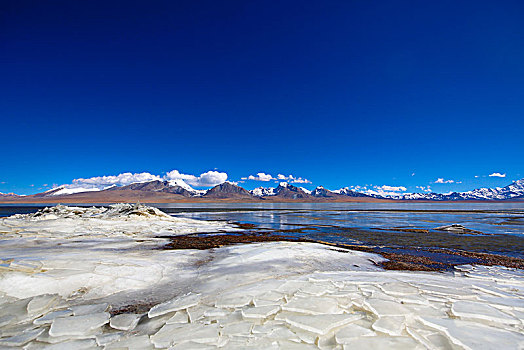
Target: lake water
<point>492,218</point>
<point>375,224</point>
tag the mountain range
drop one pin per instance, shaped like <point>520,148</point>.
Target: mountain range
<point>179,191</point>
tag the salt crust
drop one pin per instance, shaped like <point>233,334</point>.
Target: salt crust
<point>57,294</point>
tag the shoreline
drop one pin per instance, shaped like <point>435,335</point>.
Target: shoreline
<point>247,201</point>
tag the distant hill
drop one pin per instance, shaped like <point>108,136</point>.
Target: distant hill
<point>227,190</point>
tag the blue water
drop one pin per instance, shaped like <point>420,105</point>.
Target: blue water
<point>489,218</point>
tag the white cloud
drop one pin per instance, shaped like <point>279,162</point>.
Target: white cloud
<point>293,179</point>
<point>442,181</point>
<point>123,179</point>
<point>424,188</point>
<point>392,188</point>
<point>300,180</point>
<point>384,191</point>
<point>207,179</point>
<point>260,177</point>
<point>177,175</point>
<point>267,177</point>
<point>381,193</point>
<point>497,175</point>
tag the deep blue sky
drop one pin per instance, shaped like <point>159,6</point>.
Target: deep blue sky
<point>338,92</point>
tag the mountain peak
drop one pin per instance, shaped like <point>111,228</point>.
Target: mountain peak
<point>263,191</point>
<point>519,182</point>
<point>181,183</point>
<point>227,190</point>
<point>320,191</point>
<point>286,190</point>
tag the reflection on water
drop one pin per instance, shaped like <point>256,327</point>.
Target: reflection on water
<point>489,218</point>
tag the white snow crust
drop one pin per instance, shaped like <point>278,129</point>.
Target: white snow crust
<point>118,220</point>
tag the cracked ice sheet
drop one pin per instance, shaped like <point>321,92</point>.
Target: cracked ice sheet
<point>450,311</point>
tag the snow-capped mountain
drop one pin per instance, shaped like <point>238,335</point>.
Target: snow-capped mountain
<point>514,190</point>
<point>172,186</point>
<point>263,191</point>
<point>346,191</point>
<point>284,191</point>
<point>8,195</point>
<point>320,191</point>
<point>272,191</point>
<point>184,185</point>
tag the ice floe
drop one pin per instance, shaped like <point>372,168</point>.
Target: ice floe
<point>103,292</point>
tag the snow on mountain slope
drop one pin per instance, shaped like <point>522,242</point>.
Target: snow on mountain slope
<point>63,190</point>
<point>320,191</point>
<point>305,190</point>
<point>263,191</point>
<point>514,190</point>
<point>346,191</point>
<point>11,194</point>
<point>184,185</point>
<point>284,190</point>
<point>173,186</point>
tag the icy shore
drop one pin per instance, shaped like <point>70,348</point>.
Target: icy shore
<point>89,278</point>
<point>119,220</point>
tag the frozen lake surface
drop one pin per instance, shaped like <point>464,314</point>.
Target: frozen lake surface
<point>98,278</point>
